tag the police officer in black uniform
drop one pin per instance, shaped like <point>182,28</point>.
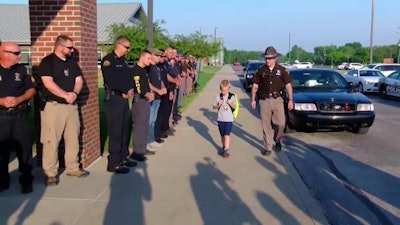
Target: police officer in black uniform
<point>268,81</point>
<point>16,89</point>
<point>162,123</point>
<point>118,83</point>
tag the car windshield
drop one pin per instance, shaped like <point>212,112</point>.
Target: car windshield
<point>254,66</point>
<point>368,66</point>
<point>317,79</point>
<point>371,74</point>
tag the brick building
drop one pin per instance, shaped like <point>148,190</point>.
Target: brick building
<point>35,26</point>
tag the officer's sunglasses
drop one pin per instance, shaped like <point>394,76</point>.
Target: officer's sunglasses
<point>14,53</point>
<point>127,47</point>
<point>69,47</point>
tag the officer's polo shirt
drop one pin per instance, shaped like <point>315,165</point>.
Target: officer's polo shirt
<point>116,73</point>
<point>270,81</point>
<point>155,78</point>
<point>141,80</point>
<point>14,81</point>
<point>170,69</point>
<point>63,72</point>
<point>163,73</point>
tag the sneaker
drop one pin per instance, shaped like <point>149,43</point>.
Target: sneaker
<point>149,152</point>
<point>224,153</point>
<point>155,144</point>
<point>136,157</point>
<point>128,163</point>
<point>51,181</point>
<point>159,140</point>
<point>266,152</point>
<point>118,169</point>
<point>78,173</point>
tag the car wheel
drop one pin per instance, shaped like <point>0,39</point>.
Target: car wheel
<point>382,91</point>
<point>360,88</point>
<point>289,128</point>
<point>361,130</point>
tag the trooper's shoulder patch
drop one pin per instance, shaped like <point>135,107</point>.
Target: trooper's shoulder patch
<point>106,63</point>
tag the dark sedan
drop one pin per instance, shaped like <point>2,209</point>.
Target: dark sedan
<point>249,70</point>
<point>322,98</point>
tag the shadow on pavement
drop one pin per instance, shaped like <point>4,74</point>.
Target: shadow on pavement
<point>353,196</point>
<point>17,207</point>
<point>217,201</point>
<point>127,194</point>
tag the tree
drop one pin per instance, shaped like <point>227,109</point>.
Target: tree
<point>196,44</point>
<point>137,35</point>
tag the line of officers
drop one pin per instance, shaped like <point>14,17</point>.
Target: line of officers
<point>155,84</point>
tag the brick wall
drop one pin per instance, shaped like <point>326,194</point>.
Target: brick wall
<point>77,19</point>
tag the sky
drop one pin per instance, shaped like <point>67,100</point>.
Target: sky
<point>256,24</point>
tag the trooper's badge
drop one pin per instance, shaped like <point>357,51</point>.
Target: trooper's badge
<point>106,63</point>
<point>278,72</point>
<point>32,79</point>
<point>17,76</point>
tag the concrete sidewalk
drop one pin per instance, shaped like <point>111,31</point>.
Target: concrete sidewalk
<point>185,183</point>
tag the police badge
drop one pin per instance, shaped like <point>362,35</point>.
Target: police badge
<point>17,76</point>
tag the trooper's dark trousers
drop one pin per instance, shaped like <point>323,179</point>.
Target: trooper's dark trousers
<point>162,121</point>
<point>15,128</point>
<point>117,114</point>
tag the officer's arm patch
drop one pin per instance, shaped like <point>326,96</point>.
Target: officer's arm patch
<point>106,63</point>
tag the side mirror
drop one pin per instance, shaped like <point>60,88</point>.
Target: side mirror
<point>351,87</point>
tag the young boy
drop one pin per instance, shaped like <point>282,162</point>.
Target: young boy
<point>225,115</point>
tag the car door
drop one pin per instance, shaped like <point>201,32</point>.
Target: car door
<point>393,85</point>
<point>396,85</point>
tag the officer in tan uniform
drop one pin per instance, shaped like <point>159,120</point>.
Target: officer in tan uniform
<point>268,82</point>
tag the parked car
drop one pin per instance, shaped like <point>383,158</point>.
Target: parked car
<point>249,70</point>
<point>385,68</point>
<point>353,66</point>
<point>286,65</point>
<point>365,79</point>
<point>390,85</point>
<point>342,66</point>
<point>322,98</point>
<point>303,65</point>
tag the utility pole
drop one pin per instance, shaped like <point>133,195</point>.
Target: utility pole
<point>215,41</point>
<point>289,46</point>
<point>371,43</point>
<point>398,51</point>
<point>149,33</point>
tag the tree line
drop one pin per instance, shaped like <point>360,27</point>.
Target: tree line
<point>202,46</point>
<point>324,55</point>
<point>196,44</point>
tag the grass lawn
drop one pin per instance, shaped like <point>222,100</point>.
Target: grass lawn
<point>204,76</point>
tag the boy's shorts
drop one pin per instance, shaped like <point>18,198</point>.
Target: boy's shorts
<point>225,128</point>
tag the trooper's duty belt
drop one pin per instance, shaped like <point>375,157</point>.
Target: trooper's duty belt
<point>273,95</point>
<point>115,92</point>
<point>19,110</point>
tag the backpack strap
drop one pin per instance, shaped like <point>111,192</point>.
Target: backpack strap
<point>229,97</point>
